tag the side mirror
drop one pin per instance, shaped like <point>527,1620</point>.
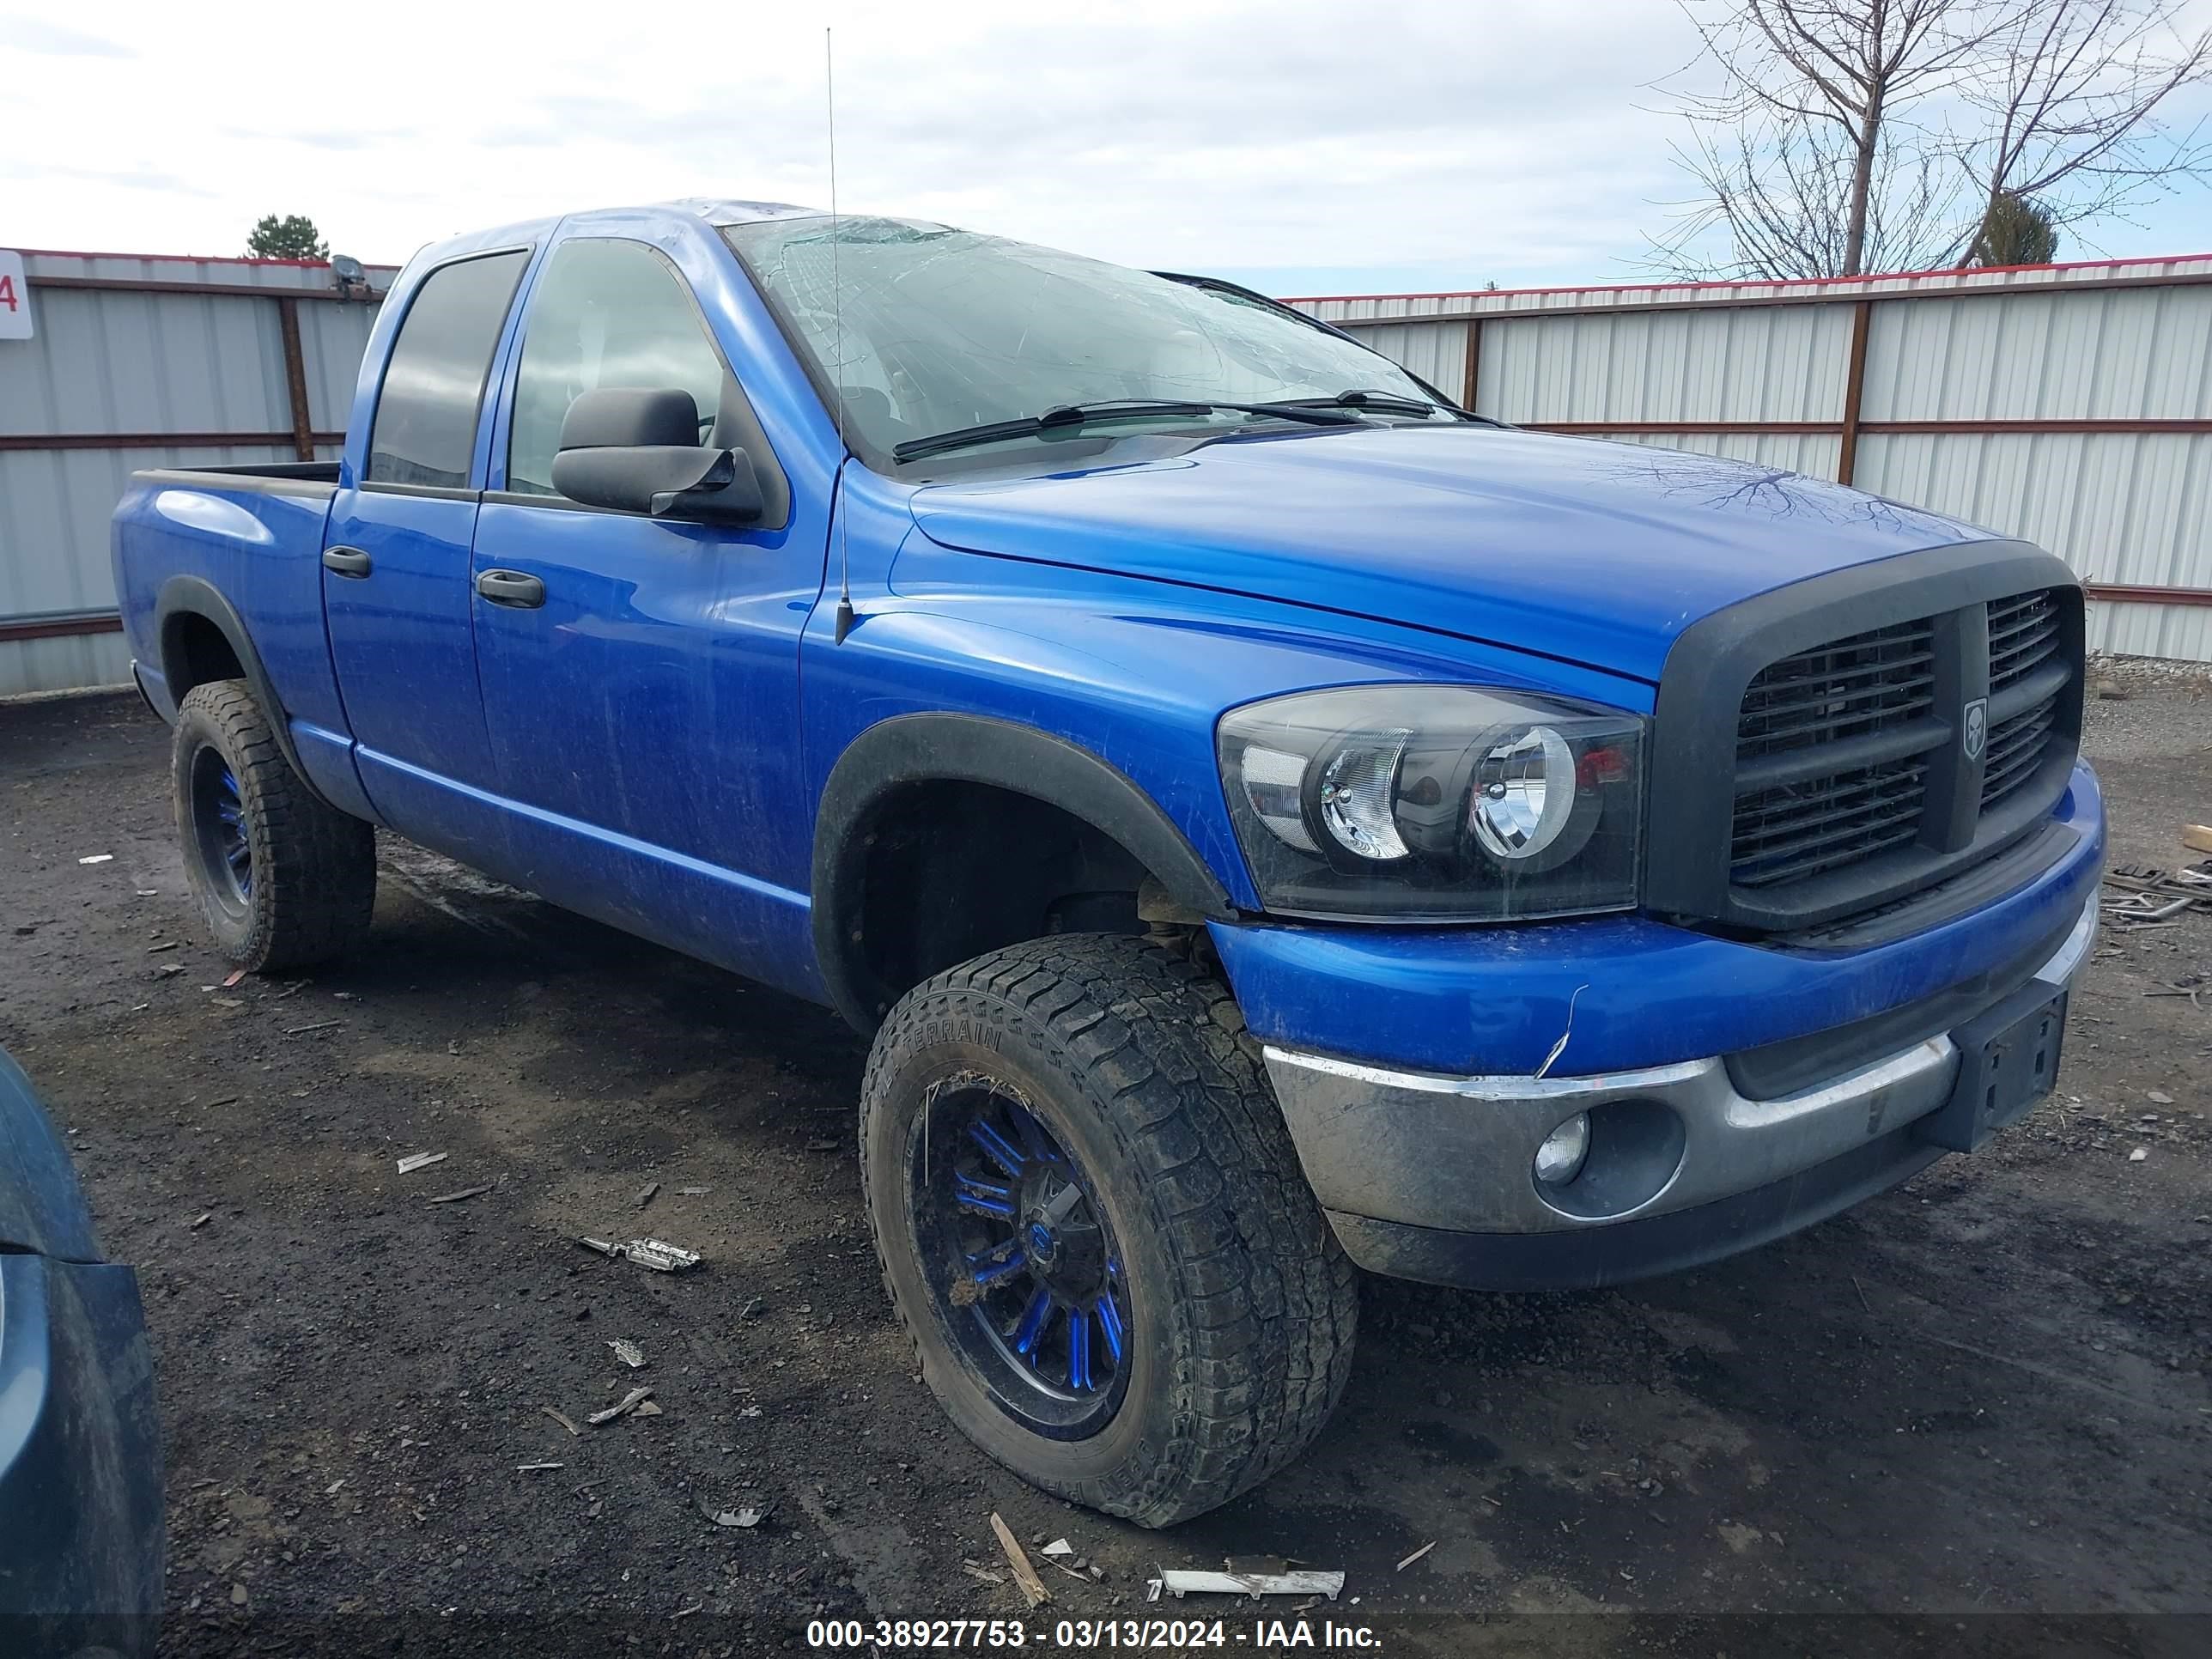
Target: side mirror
<point>639,452</point>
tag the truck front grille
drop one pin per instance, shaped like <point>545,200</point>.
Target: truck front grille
<point>2023,633</point>
<point>2016,749</point>
<point>1862,683</point>
<point>1844,758</point>
<point>1786,834</point>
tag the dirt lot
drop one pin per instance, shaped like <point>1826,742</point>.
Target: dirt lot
<point>1989,1391</point>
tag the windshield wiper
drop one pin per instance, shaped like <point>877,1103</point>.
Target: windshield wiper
<point>1066,417</point>
<point>1387,403</point>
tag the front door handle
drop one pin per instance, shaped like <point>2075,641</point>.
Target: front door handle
<point>512,588</point>
<point>346,562</point>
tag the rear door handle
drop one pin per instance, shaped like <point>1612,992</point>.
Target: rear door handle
<point>512,588</point>
<point>346,561</point>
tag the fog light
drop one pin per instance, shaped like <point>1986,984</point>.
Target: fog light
<point>1559,1159</point>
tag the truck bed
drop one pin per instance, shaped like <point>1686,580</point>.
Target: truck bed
<point>219,569</point>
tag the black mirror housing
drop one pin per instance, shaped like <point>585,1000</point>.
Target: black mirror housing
<point>638,451</point>
<point>628,417</point>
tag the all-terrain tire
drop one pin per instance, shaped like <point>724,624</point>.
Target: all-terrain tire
<point>310,870</point>
<point>1243,1308</point>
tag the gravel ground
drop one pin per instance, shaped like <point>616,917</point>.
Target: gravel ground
<point>1986,1395</point>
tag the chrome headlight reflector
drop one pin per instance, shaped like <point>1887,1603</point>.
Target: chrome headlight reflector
<point>1435,803</point>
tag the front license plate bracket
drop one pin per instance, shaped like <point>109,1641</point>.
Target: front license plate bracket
<point>2008,1061</point>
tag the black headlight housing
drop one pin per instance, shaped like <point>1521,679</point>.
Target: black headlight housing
<point>1435,803</point>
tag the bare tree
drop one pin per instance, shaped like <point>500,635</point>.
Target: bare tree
<point>1807,154</point>
<point>2067,101</point>
<point>1792,200</point>
<point>1834,136</point>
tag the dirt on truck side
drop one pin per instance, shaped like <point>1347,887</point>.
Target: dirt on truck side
<point>1985,1394</point>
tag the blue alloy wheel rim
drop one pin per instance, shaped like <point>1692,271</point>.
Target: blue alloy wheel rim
<point>219,816</point>
<point>1021,1259</point>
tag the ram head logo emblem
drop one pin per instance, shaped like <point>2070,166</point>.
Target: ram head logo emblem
<point>1975,730</point>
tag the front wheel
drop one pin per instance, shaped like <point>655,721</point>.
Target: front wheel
<point>1093,1222</point>
<point>283,879</point>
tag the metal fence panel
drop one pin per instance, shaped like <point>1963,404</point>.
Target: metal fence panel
<point>129,349</point>
<point>1779,365</point>
<point>105,362</point>
<point>61,664</point>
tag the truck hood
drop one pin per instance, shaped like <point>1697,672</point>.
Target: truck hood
<point>1597,553</point>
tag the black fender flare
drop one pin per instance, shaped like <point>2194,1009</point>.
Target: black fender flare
<point>195,595</point>
<point>946,747</point>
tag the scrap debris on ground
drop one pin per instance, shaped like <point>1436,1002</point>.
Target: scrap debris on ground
<point>2140,897</point>
<point>1179,1584</point>
<point>623,1407</point>
<point>655,1253</point>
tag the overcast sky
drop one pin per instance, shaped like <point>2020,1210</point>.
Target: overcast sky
<point>1302,146</point>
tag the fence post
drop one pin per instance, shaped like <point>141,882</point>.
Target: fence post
<point>1847,446</point>
<point>295,380</point>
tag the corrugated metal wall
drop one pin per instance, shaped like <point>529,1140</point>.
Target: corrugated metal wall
<point>130,350</point>
<point>2069,404</point>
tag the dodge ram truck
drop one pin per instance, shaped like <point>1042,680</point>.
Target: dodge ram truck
<point>1269,821</point>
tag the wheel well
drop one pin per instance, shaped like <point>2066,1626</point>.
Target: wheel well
<point>194,651</point>
<point>952,869</point>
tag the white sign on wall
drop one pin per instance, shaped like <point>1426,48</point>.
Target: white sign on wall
<point>15,297</point>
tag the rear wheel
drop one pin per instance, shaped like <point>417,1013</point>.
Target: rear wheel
<point>283,879</point>
<point>1092,1220</point>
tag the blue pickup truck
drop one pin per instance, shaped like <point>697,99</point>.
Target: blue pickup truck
<point>1268,819</point>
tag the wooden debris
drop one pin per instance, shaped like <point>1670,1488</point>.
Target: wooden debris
<point>415,1161</point>
<point>561,1419</point>
<point>466,1192</point>
<point>2197,837</point>
<point>320,1025</point>
<point>1025,1575</point>
<point>1417,1555</point>
<point>645,1195</point>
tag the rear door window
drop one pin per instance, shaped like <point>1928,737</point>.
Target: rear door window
<point>426,415</point>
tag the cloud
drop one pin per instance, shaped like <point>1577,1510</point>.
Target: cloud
<point>128,178</point>
<point>51,40</point>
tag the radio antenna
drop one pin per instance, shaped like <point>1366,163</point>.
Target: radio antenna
<point>837,372</point>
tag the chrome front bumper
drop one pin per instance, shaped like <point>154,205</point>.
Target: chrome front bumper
<point>1457,1153</point>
